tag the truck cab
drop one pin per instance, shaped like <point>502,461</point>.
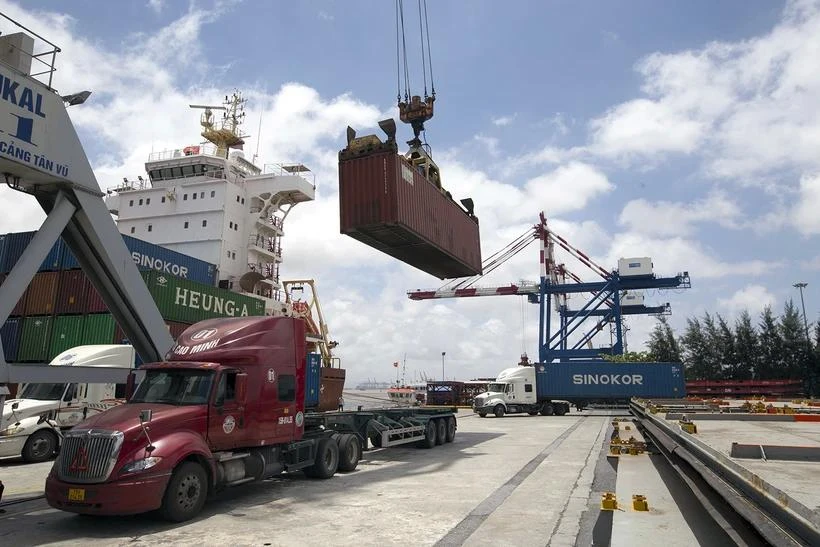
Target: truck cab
<point>515,391</point>
<point>227,407</point>
<point>31,423</point>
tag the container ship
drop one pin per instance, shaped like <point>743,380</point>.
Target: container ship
<point>205,226</point>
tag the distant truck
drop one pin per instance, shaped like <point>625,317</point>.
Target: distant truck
<point>514,392</point>
<point>31,423</point>
<point>551,388</point>
<point>228,407</point>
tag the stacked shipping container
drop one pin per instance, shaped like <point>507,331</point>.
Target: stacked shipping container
<point>61,308</point>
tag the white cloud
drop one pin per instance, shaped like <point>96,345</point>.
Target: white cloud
<point>156,5</point>
<point>568,188</point>
<point>326,16</point>
<point>749,106</point>
<point>663,218</point>
<point>807,211</point>
<point>504,120</point>
<point>751,298</point>
<point>491,143</point>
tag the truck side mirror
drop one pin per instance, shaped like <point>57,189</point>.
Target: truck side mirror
<point>146,415</point>
<point>241,388</point>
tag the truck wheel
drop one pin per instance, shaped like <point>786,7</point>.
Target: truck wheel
<point>547,410</point>
<point>532,412</point>
<point>482,414</point>
<point>429,440</point>
<point>441,430</point>
<point>186,492</point>
<point>451,430</point>
<point>40,446</point>
<point>327,460</point>
<point>560,409</point>
<point>499,411</point>
<point>349,452</point>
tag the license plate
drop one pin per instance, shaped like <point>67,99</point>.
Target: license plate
<point>76,494</point>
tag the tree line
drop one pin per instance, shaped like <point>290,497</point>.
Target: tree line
<point>713,349</point>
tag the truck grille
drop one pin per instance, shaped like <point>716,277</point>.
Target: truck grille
<point>88,455</point>
<point>478,402</point>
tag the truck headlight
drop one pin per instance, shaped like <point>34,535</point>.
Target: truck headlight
<point>141,465</point>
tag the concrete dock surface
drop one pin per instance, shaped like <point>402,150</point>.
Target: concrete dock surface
<point>519,481</point>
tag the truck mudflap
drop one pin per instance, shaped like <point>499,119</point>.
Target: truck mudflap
<point>126,497</point>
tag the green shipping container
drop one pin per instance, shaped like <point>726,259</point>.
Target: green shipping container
<point>98,328</point>
<point>35,339</point>
<point>66,333</point>
<point>186,301</point>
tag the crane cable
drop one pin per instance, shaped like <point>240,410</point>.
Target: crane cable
<point>400,17</point>
<point>402,66</point>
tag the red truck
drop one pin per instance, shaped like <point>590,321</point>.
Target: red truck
<point>230,405</point>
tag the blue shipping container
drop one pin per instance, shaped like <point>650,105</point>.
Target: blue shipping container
<point>10,335</point>
<point>13,245</point>
<point>148,256</point>
<point>312,380</point>
<point>605,380</point>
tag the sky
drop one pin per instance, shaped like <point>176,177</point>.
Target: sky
<point>686,132</point>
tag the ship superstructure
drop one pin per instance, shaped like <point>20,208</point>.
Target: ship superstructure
<point>207,201</point>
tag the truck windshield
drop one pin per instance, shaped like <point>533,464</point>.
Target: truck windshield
<point>42,392</point>
<point>499,388</point>
<point>174,387</point>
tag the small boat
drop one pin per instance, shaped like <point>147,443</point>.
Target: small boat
<point>408,395</point>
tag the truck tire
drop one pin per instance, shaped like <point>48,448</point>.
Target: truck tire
<point>547,409</point>
<point>482,414</point>
<point>349,452</point>
<point>40,446</point>
<point>532,412</point>
<point>429,440</point>
<point>451,429</point>
<point>186,492</point>
<point>327,460</point>
<point>561,409</point>
<point>441,430</point>
<point>499,411</point>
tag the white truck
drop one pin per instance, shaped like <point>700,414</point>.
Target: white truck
<point>31,424</point>
<point>515,391</point>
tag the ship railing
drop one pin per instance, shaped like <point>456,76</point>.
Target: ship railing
<point>127,185</point>
<point>190,150</point>
<point>43,61</point>
<point>290,170</point>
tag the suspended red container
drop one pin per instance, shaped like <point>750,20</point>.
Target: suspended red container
<point>397,206</point>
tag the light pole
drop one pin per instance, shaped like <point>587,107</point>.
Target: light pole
<point>443,353</point>
<point>800,287</point>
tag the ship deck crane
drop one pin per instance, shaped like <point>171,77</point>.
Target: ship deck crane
<point>604,306</point>
<point>45,160</point>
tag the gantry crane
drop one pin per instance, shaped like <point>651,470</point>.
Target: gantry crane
<point>604,306</point>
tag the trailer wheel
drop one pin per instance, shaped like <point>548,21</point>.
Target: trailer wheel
<point>186,492</point>
<point>349,452</point>
<point>451,429</point>
<point>429,440</point>
<point>327,460</point>
<point>547,410</point>
<point>40,446</point>
<point>561,409</point>
<point>441,430</point>
<point>499,411</point>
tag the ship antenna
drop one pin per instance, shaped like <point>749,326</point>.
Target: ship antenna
<point>258,139</point>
